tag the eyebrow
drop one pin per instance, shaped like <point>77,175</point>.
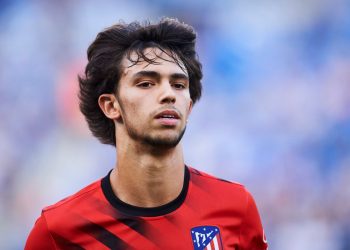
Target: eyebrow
<point>156,75</point>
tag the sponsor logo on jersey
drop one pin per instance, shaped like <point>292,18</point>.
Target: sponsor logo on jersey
<point>206,238</point>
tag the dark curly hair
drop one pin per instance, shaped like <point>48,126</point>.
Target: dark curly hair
<point>103,71</point>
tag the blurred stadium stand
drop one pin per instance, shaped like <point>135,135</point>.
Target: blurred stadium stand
<point>275,112</point>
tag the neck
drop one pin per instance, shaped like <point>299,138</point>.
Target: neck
<point>146,176</point>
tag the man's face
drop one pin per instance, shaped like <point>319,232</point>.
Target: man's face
<point>154,100</point>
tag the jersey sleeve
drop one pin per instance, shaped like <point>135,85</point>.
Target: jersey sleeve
<point>252,235</point>
<point>39,237</point>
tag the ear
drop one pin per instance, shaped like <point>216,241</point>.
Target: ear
<point>109,106</point>
<point>190,108</point>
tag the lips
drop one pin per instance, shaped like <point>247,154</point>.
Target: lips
<point>168,114</point>
<point>168,117</point>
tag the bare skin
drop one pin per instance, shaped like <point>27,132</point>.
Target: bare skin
<point>150,113</point>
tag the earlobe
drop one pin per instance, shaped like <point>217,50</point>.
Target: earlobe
<point>109,106</point>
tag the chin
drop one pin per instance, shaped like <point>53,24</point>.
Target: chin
<point>169,141</point>
<point>160,139</point>
<point>162,142</point>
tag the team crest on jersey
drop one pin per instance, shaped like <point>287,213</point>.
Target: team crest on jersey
<point>206,238</point>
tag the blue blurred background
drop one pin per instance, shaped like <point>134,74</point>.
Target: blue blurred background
<point>275,112</point>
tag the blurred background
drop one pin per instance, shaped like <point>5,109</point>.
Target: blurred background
<point>275,111</point>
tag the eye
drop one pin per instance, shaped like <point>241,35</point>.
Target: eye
<point>145,85</point>
<point>179,85</point>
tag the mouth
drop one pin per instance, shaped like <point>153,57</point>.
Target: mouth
<point>168,117</point>
<point>168,114</point>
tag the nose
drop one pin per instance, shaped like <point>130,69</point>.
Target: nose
<point>167,94</point>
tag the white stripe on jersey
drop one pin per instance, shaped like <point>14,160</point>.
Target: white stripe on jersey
<point>216,244</point>
<point>208,246</point>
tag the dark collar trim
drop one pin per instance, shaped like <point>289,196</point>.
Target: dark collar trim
<point>142,211</point>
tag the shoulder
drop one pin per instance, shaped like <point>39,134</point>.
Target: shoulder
<point>225,192</point>
<point>200,177</point>
<point>58,221</point>
<point>41,236</point>
<point>236,201</point>
<point>72,200</point>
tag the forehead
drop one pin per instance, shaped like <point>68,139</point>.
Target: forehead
<point>161,62</point>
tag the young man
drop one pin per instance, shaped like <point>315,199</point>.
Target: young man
<point>139,87</point>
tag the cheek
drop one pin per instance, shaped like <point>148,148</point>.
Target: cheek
<point>134,110</point>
